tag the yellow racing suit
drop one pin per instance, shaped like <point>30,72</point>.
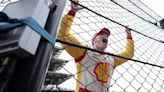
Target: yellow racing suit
<point>94,70</point>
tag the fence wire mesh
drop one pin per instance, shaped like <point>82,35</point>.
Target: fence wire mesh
<point>131,76</point>
<point>116,14</point>
<point>3,3</point>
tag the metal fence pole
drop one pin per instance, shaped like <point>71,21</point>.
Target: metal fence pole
<point>30,72</point>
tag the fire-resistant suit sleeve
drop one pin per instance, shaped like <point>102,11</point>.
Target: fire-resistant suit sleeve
<point>65,35</point>
<point>128,53</point>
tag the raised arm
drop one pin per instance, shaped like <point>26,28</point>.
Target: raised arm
<point>129,49</point>
<point>64,32</point>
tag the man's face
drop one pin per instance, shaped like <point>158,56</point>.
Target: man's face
<point>101,41</point>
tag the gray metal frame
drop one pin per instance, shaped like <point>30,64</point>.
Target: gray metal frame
<point>27,39</point>
<point>29,73</point>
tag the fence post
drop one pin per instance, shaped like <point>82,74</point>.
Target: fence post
<point>29,72</point>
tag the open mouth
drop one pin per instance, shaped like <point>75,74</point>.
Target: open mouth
<point>105,40</point>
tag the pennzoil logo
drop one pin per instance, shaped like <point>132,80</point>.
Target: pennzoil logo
<point>101,72</point>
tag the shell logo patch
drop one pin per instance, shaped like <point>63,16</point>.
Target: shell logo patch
<point>101,72</point>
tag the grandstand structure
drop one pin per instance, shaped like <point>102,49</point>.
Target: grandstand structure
<point>52,69</point>
<point>53,78</point>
